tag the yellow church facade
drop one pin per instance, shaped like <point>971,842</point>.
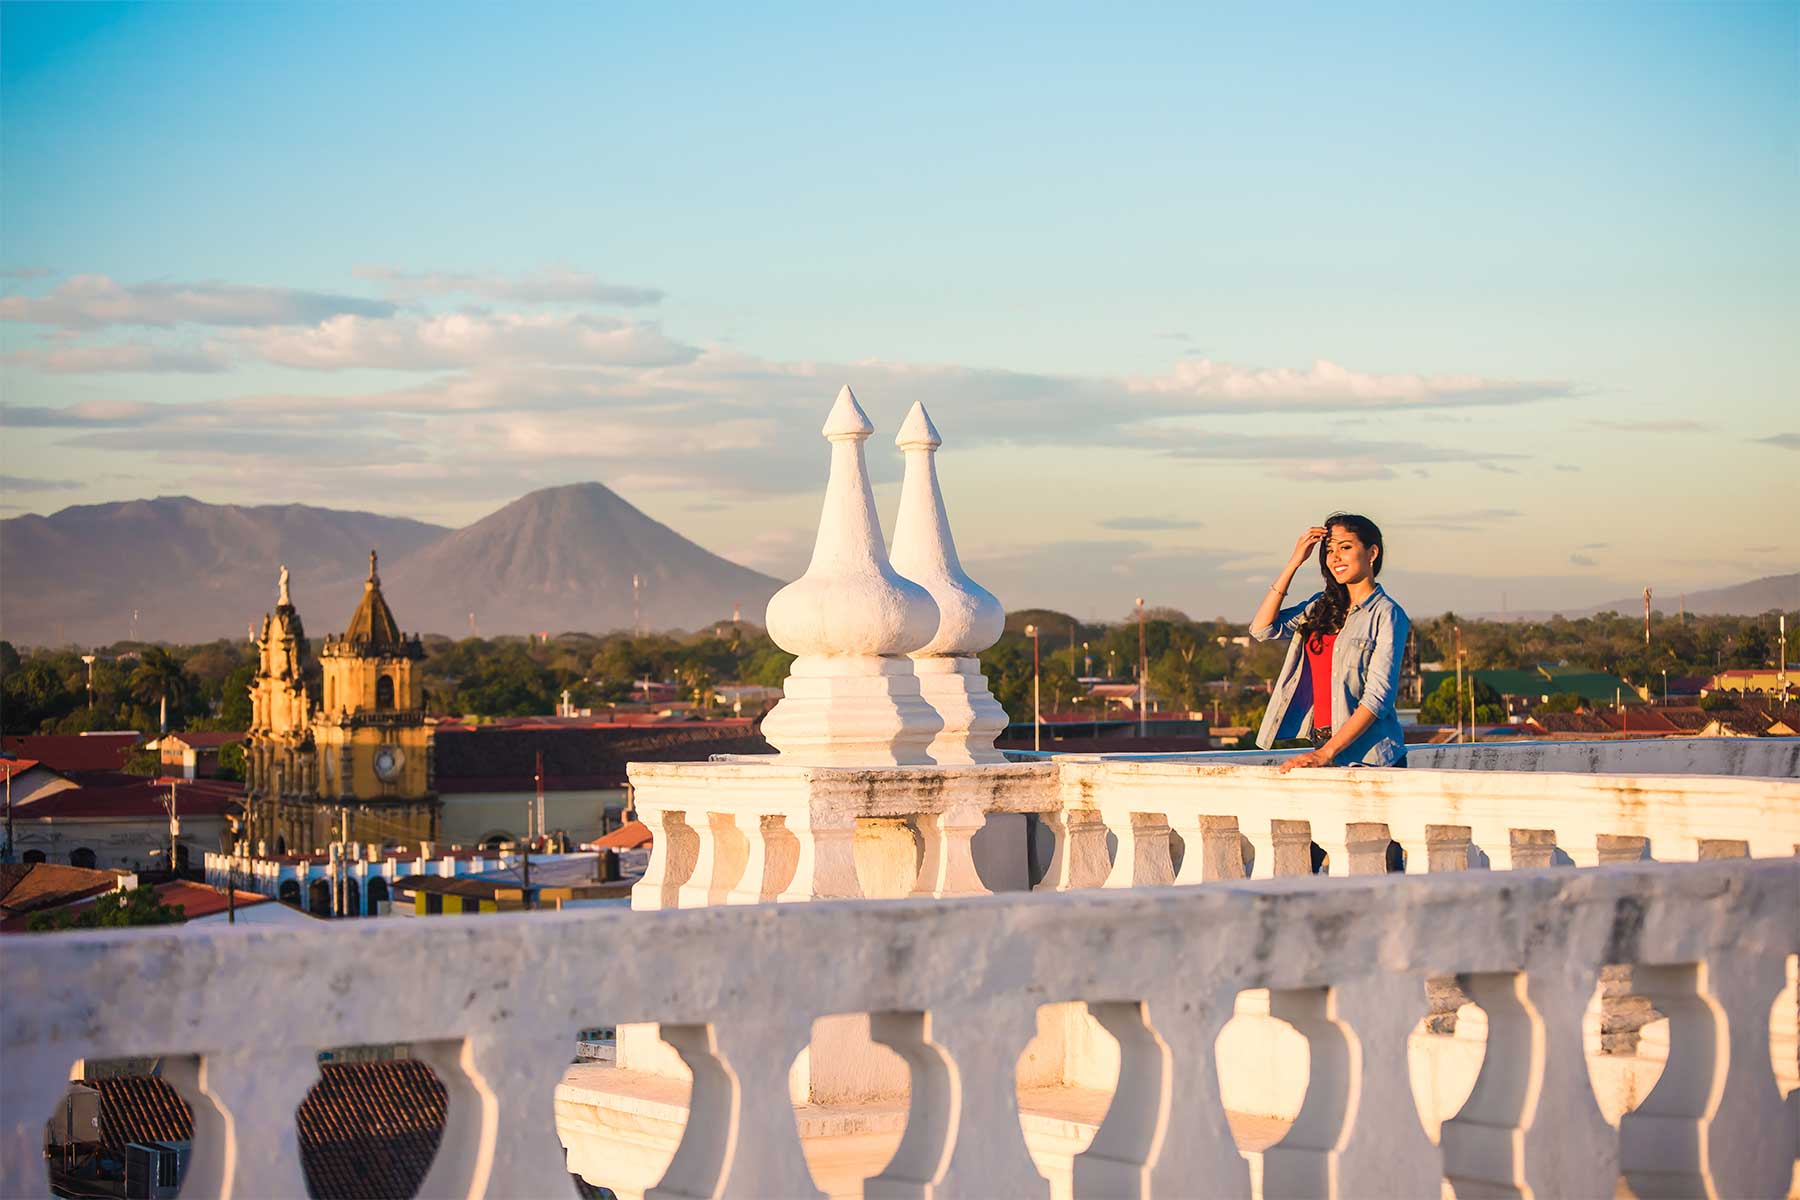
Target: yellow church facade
<point>340,747</point>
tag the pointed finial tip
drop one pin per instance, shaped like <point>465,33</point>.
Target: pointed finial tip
<point>917,431</point>
<point>847,419</point>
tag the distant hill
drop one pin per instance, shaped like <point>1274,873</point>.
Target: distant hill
<point>1742,599</point>
<point>559,559</point>
<point>562,559</point>
<point>192,571</point>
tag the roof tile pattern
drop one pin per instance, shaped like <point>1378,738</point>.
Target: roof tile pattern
<point>369,1130</point>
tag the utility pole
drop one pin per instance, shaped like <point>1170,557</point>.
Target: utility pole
<point>1646,617</point>
<point>89,660</point>
<point>539,811</point>
<point>1780,679</point>
<point>1072,648</point>
<point>8,855</point>
<point>1037,719</point>
<point>637,620</point>
<point>1143,676</point>
<point>174,832</point>
<point>1459,681</point>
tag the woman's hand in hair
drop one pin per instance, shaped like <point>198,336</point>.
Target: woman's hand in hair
<point>1304,547</point>
<point>1312,758</point>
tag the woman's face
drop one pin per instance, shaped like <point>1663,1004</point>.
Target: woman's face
<point>1345,556</point>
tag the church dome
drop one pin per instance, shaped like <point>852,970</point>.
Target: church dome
<point>372,627</point>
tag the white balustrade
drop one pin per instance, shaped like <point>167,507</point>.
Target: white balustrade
<point>494,1006</point>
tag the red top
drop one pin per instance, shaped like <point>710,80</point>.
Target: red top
<point>1319,663</point>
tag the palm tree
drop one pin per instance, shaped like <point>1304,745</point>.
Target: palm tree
<point>159,676</point>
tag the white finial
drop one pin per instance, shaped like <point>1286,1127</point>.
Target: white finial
<point>284,598</point>
<point>852,698</point>
<point>970,618</point>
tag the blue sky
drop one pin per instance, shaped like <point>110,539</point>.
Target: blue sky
<point>1518,281</point>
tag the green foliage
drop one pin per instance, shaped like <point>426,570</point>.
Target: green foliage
<point>1440,707</point>
<point>1562,702</point>
<point>115,910</point>
<point>231,761</point>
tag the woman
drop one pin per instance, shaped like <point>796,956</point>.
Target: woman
<point>1342,672</point>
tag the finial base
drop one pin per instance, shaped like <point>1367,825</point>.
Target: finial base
<point>956,689</point>
<point>852,711</point>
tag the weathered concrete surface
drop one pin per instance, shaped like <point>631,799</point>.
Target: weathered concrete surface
<point>739,988</point>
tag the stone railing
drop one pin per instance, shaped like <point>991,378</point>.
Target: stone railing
<point>754,829</point>
<point>953,987</point>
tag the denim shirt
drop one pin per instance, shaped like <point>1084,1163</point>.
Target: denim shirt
<point>1365,672</point>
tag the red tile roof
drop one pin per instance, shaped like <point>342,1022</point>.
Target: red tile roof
<point>1638,720</point>
<point>74,751</point>
<point>197,900</point>
<point>118,795</point>
<point>367,1129</point>
<point>633,835</point>
<point>141,1108</point>
<point>11,767</point>
<point>31,887</point>
<point>207,739</point>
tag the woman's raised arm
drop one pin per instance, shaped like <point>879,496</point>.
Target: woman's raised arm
<point>1270,608</point>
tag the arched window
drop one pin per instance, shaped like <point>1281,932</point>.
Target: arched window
<point>318,898</point>
<point>378,894</point>
<point>352,899</point>
<point>289,892</point>
<point>83,857</point>
<point>384,693</point>
<point>33,856</point>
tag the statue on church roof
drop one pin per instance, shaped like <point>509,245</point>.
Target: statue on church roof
<point>284,599</point>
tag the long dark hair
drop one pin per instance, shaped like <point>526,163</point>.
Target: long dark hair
<point>1327,616</point>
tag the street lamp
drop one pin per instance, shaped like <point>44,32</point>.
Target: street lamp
<point>1037,719</point>
<point>1143,675</point>
<point>1665,672</point>
<point>89,660</point>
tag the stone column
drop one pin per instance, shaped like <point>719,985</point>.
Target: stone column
<point>853,697</point>
<point>970,619</point>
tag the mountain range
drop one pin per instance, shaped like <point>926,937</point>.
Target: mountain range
<point>1757,596</point>
<point>555,560</point>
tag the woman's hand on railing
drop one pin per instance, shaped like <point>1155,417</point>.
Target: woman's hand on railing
<point>1312,758</point>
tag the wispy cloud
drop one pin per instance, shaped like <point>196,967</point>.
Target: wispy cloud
<point>468,340</point>
<point>1464,521</point>
<point>1210,386</point>
<point>21,483</point>
<point>121,357</point>
<point>1651,426</point>
<point>96,301</point>
<point>550,286</point>
<point>1148,524</point>
<point>24,272</point>
<point>1787,441</point>
<point>1583,560</point>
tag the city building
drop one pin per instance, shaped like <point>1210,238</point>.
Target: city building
<point>192,755</point>
<point>350,761</point>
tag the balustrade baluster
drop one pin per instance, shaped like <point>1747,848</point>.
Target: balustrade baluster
<point>1532,849</point>
<point>1384,1150</point>
<point>31,1088</point>
<point>673,850</point>
<point>1484,1143</point>
<point>720,856</point>
<point>948,868</point>
<point>500,1130</point>
<point>1751,1135</point>
<point>1214,850</point>
<point>1304,1162</point>
<point>1664,1142</point>
<point>1130,1137</point>
<point>769,859</point>
<point>1570,1150</point>
<point>924,1152</point>
<point>825,858</point>
<point>258,1093</point>
<point>984,1041</point>
<point>766,1159</point>
<point>1142,858</point>
<point>1447,847</point>
<point>1612,849</point>
<point>1080,859</point>
<point>697,1172</point>
<point>1290,848</point>
<point>1366,848</point>
<point>1188,1015</point>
